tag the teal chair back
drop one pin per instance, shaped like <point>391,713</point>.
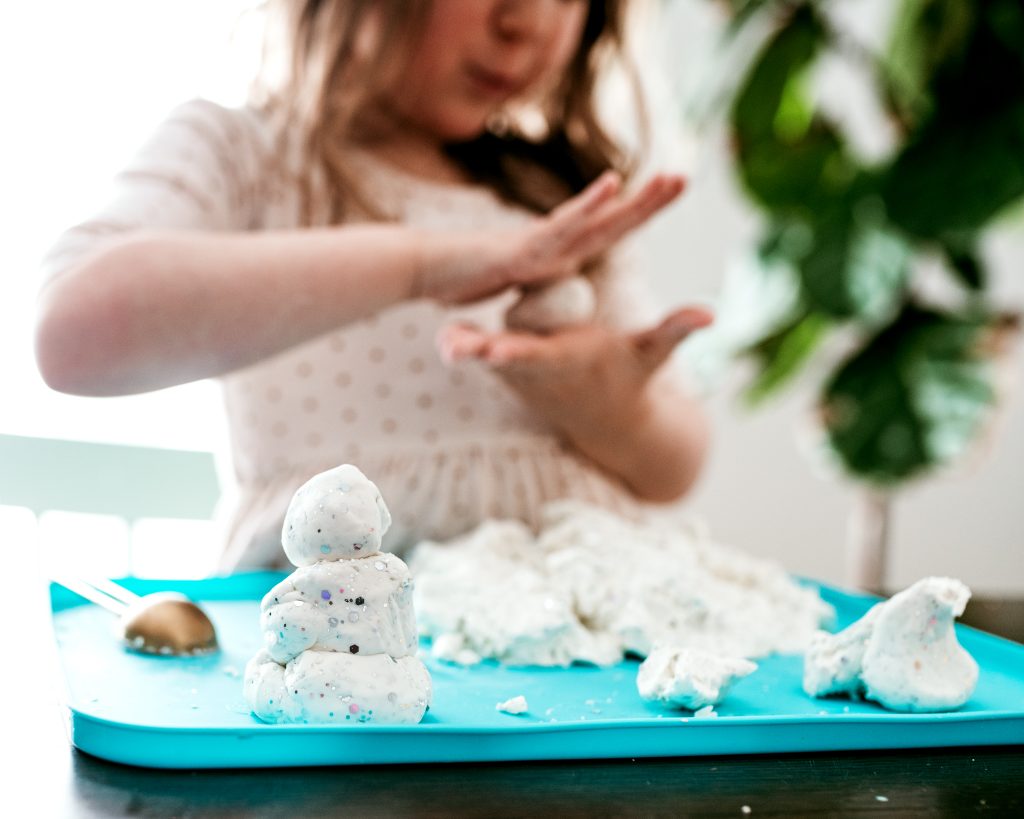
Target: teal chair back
<point>46,474</point>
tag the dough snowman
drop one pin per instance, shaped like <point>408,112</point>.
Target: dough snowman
<point>339,633</point>
<point>903,653</point>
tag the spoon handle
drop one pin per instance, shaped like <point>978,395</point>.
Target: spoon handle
<point>86,589</point>
<point>111,589</point>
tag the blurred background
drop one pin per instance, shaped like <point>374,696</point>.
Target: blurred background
<point>82,94</point>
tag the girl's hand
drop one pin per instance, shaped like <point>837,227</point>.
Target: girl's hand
<point>466,267</point>
<point>595,386</point>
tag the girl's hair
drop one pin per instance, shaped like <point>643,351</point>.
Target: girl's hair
<point>330,69</point>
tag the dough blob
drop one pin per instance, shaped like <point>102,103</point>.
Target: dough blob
<point>903,653</point>
<point>339,633</point>
<point>689,679</point>
<point>566,303</point>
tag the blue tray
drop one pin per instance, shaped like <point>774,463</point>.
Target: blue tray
<point>189,713</point>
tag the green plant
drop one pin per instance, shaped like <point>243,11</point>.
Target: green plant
<point>912,393</point>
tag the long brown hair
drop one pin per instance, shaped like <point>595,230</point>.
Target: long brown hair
<point>329,75</point>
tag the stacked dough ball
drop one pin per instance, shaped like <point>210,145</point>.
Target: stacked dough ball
<point>339,633</point>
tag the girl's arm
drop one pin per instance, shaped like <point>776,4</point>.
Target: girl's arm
<point>154,309</point>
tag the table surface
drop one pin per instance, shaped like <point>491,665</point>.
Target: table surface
<point>53,779</point>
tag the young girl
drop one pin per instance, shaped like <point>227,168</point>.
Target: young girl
<point>341,253</point>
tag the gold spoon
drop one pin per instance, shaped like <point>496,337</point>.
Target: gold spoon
<point>161,623</point>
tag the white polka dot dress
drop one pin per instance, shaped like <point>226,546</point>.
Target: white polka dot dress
<point>448,445</point>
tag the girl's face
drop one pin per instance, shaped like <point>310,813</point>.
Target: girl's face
<point>474,56</point>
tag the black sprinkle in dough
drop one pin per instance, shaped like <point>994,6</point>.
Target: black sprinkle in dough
<point>359,601</point>
<point>354,648</point>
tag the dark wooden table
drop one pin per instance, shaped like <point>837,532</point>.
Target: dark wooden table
<point>45,777</point>
<point>932,783</point>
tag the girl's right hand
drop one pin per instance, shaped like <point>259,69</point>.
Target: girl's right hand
<point>457,268</point>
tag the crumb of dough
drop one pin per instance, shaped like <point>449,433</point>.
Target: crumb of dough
<point>516,705</point>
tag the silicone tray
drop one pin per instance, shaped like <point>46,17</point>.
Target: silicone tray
<point>189,713</point>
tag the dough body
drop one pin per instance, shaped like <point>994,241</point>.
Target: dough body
<point>334,605</point>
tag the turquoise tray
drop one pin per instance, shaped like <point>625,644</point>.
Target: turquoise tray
<point>189,713</point>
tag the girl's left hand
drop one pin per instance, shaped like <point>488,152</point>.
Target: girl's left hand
<point>587,381</point>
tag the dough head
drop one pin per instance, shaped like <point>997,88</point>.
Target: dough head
<point>335,515</point>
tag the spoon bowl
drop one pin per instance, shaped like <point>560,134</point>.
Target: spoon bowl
<point>165,623</point>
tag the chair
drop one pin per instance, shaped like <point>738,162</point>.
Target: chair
<point>133,484</point>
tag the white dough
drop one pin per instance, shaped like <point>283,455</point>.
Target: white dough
<point>593,586</point>
<point>566,303</point>
<point>329,687</point>
<point>450,647</point>
<point>516,705</point>
<point>339,633</point>
<point>902,654</point>
<point>833,662</point>
<point>334,515</point>
<point>689,679</point>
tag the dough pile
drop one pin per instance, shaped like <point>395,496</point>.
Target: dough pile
<point>593,586</point>
<point>339,633</point>
<point>903,653</point>
<point>689,679</point>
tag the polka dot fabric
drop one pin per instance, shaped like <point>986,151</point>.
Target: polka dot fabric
<point>448,446</point>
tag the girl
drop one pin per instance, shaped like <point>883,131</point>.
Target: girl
<point>411,166</point>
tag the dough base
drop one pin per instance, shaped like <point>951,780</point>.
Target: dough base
<point>333,688</point>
